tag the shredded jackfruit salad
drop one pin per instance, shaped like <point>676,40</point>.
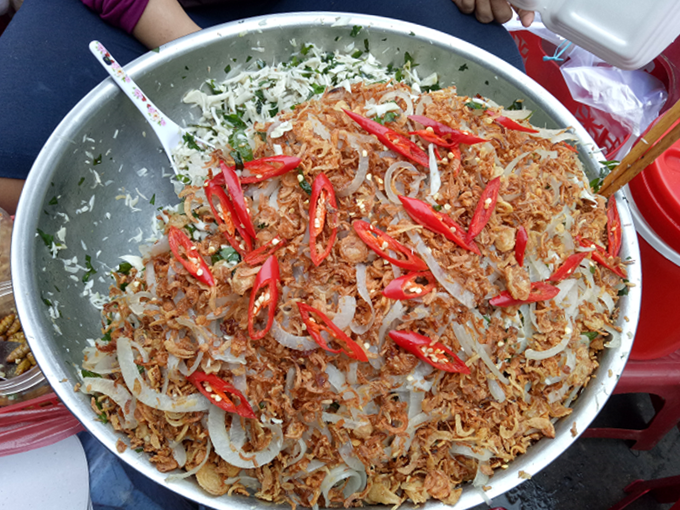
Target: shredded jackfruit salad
<point>372,291</point>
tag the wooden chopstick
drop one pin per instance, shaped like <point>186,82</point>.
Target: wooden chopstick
<point>644,152</point>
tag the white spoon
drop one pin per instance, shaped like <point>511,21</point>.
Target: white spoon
<point>169,133</point>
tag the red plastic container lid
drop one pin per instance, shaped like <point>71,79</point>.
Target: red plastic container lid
<point>657,195</point>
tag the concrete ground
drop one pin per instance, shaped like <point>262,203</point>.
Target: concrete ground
<point>592,473</point>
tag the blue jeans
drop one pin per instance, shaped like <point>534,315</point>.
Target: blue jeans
<point>46,68</point>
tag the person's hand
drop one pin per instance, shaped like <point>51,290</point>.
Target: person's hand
<point>487,11</point>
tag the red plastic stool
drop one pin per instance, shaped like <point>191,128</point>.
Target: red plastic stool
<point>661,379</point>
<point>664,490</point>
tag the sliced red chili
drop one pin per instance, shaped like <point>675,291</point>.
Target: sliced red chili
<point>432,138</point>
<point>511,124</point>
<point>568,267</point>
<point>322,204</point>
<point>186,252</point>
<point>221,393</point>
<point>224,215</point>
<point>380,242</point>
<point>485,208</point>
<point>613,228</point>
<point>392,140</point>
<point>600,256</point>
<point>540,291</point>
<point>434,353</point>
<point>317,322</point>
<point>423,214</point>
<point>410,286</point>
<point>258,256</point>
<point>266,168</point>
<point>521,239</point>
<point>237,199</point>
<point>266,280</point>
<point>446,132</point>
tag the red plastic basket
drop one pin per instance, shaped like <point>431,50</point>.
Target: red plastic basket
<point>35,423</point>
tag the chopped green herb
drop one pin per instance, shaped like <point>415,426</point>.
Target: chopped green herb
<point>412,34</point>
<point>464,67</point>
<point>437,207</point>
<point>191,141</point>
<point>227,69</point>
<point>229,254</point>
<point>624,291</point>
<point>124,267</point>
<point>249,59</point>
<point>338,38</point>
<point>262,225</point>
<point>54,201</point>
<point>82,180</point>
<point>357,54</point>
<point>191,228</point>
<point>303,182</point>
<point>355,30</point>
<point>123,286</point>
<point>399,75</point>
<point>239,142</point>
<point>305,49</point>
<point>596,184</point>
<point>263,405</point>
<point>408,60</point>
<point>592,269</point>
<point>366,45</point>
<point>431,88</point>
<point>47,238</point>
<point>97,160</point>
<point>388,117</point>
<point>475,105</point>
<point>610,165</point>
<point>517,104</point>
<point>107,337</point>
<point>47,302</point>
<point>103,418</point>
<point>153,200</point>
<point>140,369</point>
<point>87,373</point>
<point>333,408</point>
<point>235,119</point>
<point>90,270</point>
<point>139,450</point>
<point>592,335</point>
<point>318,89</point>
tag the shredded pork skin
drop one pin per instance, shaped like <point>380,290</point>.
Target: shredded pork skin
<point>399,432</point>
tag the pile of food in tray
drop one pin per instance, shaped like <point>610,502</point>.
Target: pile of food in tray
<point>373,291</point>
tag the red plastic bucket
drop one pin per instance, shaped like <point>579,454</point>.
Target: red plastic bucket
<point>655,205</point>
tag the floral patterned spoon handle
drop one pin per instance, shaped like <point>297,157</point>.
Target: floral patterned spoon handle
<point>169,133</point>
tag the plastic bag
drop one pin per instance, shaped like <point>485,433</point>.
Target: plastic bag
<point>39,422</point>
<point>613,105</point>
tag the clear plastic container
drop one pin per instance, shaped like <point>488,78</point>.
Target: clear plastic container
<point>626,33</point>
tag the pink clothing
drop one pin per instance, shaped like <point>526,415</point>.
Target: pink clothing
<point>120,13</point>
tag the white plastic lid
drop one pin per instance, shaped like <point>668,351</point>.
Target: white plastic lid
<point>626,33</point>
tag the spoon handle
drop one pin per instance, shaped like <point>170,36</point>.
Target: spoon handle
<point>169,133</point>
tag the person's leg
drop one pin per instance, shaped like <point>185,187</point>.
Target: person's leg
<point>441,15</point>
<point>45,69</point>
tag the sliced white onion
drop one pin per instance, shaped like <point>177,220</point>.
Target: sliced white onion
<point>480,481</point>
<point>247,481</point>
<point>615,340</point>
<point>142,351</point>
<point>496,390</point>
<point>362,289</point>
<point>352,373</point>
<point>424,101</point>
<point>401,94</point>
<point>471,345</point>
<point>115,392</point>
<point>179,453</point>
<point>465,297</point>
<point>346,451</point>
<point>511,166</point>
<point>359,176</point>
<point>435,176</point>
<point>466,451</point>
<point>302,447</point>
<point>298,343</point>
<point>335,377</point>
<point>395,313</point>
<point>229,445</point>
<point>548,353</point>
<point>147,395</point>
<point>356,482</point>
<point>150,275</point>
<point>319,128</point>
<point>196,469</point>
<point>346,308</point>
<point>390,175</point>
